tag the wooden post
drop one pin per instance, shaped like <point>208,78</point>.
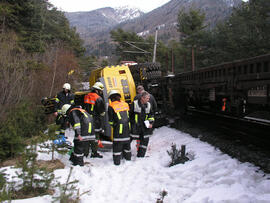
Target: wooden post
<point>183,151</point>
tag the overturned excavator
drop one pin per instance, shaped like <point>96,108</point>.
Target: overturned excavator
<point>123,78</point>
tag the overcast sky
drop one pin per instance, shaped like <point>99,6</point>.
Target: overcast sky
<point>88,5</point>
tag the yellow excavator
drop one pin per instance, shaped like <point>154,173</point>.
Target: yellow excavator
<point>113,78</point>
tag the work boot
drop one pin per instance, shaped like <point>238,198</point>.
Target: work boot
<point>77,161</point>
<point>96,155</point>
<point>71,158</point>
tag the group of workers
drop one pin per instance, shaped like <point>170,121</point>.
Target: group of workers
<point>129,122</point>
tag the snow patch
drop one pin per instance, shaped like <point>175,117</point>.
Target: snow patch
<point>125,13</point>
<point>143,33</point>
<point>210,177</point>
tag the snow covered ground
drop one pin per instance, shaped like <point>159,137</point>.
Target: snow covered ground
<point>212,177</point>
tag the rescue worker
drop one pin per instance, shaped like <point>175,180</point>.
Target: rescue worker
<point>142,120</point>
<point>152,100</point>
<point>95,106</point>
<point>118,112</point>
<point>223,108</point>
<point>82,123</point>
<point>62,98</point>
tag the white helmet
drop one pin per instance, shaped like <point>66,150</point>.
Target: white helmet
<point>113,92</point>
<point>67,86</point>
<point>65,108</point>
<point>99,86</point>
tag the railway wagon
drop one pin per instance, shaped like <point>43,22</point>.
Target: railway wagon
<point>233,96</point>
<point>240,89</point>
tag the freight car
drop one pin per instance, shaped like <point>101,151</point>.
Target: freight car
<point>239,89</point>
<point>234,95</point>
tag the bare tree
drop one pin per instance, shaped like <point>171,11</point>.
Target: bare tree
<point>25,76</point>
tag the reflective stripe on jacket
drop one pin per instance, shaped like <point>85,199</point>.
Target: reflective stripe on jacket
<point>138,114</point>
<point>91,99</point>
<point>63,98</point>
<point>95,106</point>
<point>82,123</point>
<point>119,120</point>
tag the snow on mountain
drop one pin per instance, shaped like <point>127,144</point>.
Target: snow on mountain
<point>144,33</point>
<point>125,13</point>
<point>95,26</point>
<point>90,22</point>
<point>230,3</point>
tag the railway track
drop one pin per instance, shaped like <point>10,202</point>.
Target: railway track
<point>246,143</point>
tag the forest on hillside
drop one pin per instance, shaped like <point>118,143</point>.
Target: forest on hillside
<point>244,34</point>
<point>39,52</point>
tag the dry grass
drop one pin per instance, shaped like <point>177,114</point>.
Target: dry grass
<point>11,161</point>
<point>49,165</point>
<point>21,194</point>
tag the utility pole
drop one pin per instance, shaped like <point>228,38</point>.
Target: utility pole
<point>185,61</point>
<point>193,58</point>
<point>172,62</point>
<point>167,62</point>
<point>155,46</point>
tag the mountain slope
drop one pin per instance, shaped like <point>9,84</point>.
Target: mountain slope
<point>95,29</point>
<point>88,23</point>
<point>165,17</point>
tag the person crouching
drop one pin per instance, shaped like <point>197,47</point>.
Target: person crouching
<point>118,112</point>
<point>82,122</point>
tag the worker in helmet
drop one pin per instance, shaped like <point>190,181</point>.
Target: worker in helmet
<point>94,105</point>
<point>62,98</point>
<point>82,122</point>
<point>118,112</point>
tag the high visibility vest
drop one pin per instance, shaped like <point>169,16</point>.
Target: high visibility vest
<point>223,108</point>
<point>121,109</point>
<point>81,110</point>
<point>138,109</point>
<point>91,98</point>
<point>119,106</point>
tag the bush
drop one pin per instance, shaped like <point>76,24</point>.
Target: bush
<point>177,155</point>
<point>35,180</point>
<point>23,122</point>
<point>2,179</point>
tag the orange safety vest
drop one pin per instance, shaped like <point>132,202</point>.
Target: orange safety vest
<point>223,108</point>
<point>81,110</point>
<point>119,106</point>
<point>91,98</point>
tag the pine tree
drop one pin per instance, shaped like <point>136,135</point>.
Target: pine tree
<point>50,146</point>
<point>190,26</point>
<point>34,179</point>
